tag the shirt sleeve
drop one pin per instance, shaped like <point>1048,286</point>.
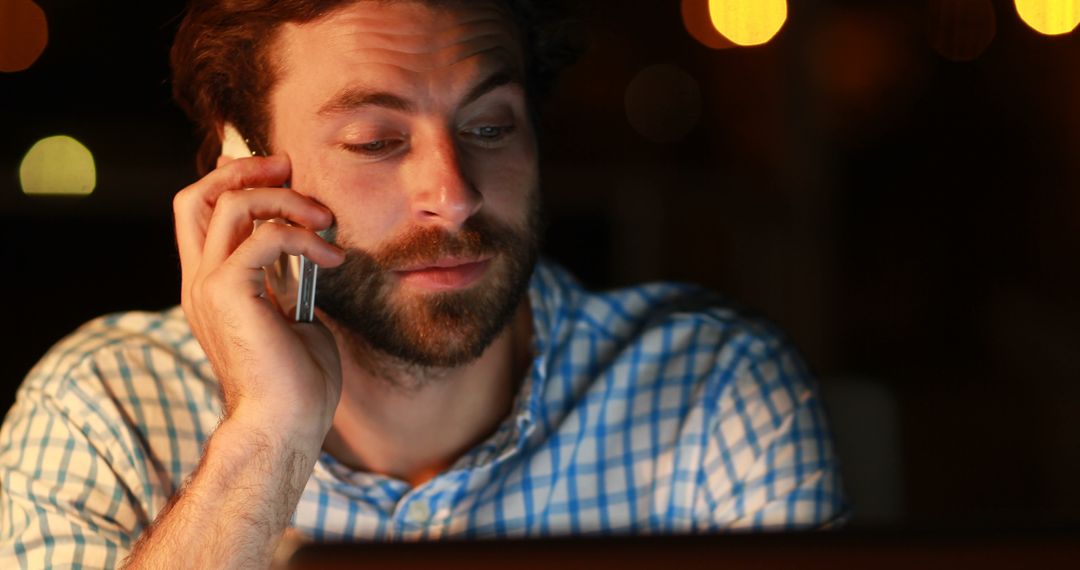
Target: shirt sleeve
<point>773,462</point>
<point>66,499</point>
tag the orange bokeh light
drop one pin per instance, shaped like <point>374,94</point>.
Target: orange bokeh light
<point>24,33</point>
<point>696,20</point>
<point>663,103</point>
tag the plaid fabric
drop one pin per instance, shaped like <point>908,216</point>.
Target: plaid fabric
<point>654,409</point>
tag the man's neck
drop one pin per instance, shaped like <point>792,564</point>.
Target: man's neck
<point>416,424</point>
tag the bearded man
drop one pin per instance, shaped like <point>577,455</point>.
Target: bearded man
<point>451,383</point>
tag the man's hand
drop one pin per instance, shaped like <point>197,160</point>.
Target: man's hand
<point>271,369</point>
<point>281,380</point>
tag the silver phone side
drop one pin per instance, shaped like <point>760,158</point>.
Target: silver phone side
<point>305,290</point>
<point>234,145</point>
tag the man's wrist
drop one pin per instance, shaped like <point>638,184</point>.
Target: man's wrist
<point>237,502</point>
<point>276,432</point>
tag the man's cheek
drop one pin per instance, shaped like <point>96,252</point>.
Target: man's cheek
<point>511,206</point>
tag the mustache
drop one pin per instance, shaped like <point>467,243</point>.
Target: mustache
<point>479,236</point>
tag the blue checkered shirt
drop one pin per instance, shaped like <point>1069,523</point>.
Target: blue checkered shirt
<point>654,409</point>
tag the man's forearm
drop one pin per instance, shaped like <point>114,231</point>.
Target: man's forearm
<point>233,509</point>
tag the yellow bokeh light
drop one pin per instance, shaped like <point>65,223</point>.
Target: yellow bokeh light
<point>23,34</point>
<point>1050,17</point>
<point>748,22</point>
<point>58,165</point>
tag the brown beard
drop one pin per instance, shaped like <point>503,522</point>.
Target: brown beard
<point>442,329</point>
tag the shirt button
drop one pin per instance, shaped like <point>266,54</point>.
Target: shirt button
<point>419,512</point>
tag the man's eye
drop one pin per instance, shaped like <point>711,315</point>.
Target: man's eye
<point>374,148</point>
<point>488,134</point>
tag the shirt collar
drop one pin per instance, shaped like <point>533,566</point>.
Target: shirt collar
<point>547,298</point>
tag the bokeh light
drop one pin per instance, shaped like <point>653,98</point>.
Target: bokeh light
<point>663,103</point>
<point>1050,17</point>
<point>698,23</point>
<point>961,30</point>
<point>866,66</point>
<point>748,22</point>
<point>58,165</point>
<point>23,34</point>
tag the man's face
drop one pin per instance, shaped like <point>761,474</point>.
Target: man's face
<point>411,125</point>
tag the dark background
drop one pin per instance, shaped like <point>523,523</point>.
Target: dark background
<point>910,220</point>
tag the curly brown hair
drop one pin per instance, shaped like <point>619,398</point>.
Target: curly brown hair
<point>223,72</point>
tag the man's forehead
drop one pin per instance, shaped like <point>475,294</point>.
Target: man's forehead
<point>424,57</point>
<point>411,34</point>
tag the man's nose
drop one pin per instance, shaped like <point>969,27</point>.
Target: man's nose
<point>444,192</point>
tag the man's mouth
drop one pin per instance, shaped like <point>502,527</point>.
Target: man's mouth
<point>443,274</point>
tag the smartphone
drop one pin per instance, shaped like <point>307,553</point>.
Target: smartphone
<point>290,277</point>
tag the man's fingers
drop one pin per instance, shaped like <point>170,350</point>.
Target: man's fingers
<point>241,276</point>
<point>193,206</point>
<point>232,220</point>
<point>254,172</point>
<point>270,240</point>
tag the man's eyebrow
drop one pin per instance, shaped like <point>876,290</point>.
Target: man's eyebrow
<point>353,98</point>
<point>493,82</point>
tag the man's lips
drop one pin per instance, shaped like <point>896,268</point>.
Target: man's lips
<point>443,274</point>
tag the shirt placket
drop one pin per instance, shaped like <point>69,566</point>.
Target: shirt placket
<point>422,513</point>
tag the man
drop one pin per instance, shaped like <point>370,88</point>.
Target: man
<point>451,385</point>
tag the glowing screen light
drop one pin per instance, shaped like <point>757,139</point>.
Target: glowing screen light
<point>23,34</point>
<point>58,165</point>
<point>748,22</point>
<point>1050,17</point>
